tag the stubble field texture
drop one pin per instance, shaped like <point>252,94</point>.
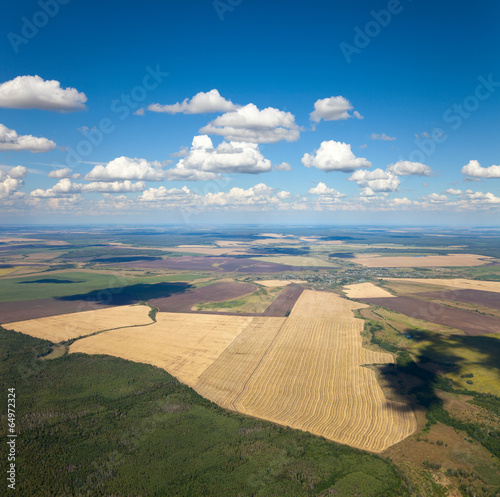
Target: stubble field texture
<point>68,326</point>
<point>305,371</point>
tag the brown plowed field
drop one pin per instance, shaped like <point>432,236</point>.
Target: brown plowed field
<point>486,299</point>
<point>33,309</point>
<point>218,292</point>
<point>471,323</point>
<point>284,302</point>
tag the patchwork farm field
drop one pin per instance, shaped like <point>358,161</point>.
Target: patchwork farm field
<point>452,260</point>
<point>458,283</point>
<point>217,264</point>
<point>183,344</point>
<point>217,292</point>
<point>68,326</point>
<point>307,374</point>
<point>300,261</point>
<point>248,324</point>
<point>304,371</point>
<point>471,323</point>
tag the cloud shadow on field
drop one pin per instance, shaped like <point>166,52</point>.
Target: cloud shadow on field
<point>131,294</point>
<point>49,280</point>
<point>437,357</point>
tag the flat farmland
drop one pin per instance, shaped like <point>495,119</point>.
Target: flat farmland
<point>451,260</point>
<point>471,323</point>
<point>183,344</point>
<point>479,297</point>
<point>67,326</point>
<point>284,302</point>
<point>296,260</point>
<point>325,305</point>
<point>69,284</point>
<point>7,270</point>
<point>221,264</point>
<point>306,373</point>
<point>459,283</point>
<point>365,290</point>
<point>41,308</point>
<point>218,292</point>
<point>278,283</point>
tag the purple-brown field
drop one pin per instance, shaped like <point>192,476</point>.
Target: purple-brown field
<point>33,309</point>
<point>486,299</point>
<point>220,264</point>
<point>284,302</point>
<point>471,323</point>
<point>218,292</point>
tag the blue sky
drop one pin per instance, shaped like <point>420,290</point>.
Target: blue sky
<point>405,130</point>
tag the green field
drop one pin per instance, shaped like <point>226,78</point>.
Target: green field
<point>75,283</point>
<point>96,425</point>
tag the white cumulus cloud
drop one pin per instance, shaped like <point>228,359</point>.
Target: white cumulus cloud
<point>376,181</point>
<point>249,124</point>
<point>383,137</point>
<point>201,103</point>
<point>162,193</point>
<point>482,198</point>
<point>125,168</point>
<point>474,169</point>
<point>333,109</point>
<point>453,191</point>
<point>64,172</point>
<point>11,181</point>
<point>204,161</point>
<point>10,140</point>
<point>33,92</point>
<point>322,189</point>
<point>260,194</point>
<point>66,187</point>
<point>335,156</point>
<point>407,168</point>
<point>435,198</point>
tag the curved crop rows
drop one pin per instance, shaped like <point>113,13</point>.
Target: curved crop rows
<point>307,374</point>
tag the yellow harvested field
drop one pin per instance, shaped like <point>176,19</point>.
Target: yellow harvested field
<point>366,291</point>
<point>305,372</point>
<point>8,270</point>
<point>183,344</point>
<point>325,305</point>
<point>458,283</point>
<point>67,326</point>
<point>31,240</point>
<point>278,283</point>
<point>451,260</point>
